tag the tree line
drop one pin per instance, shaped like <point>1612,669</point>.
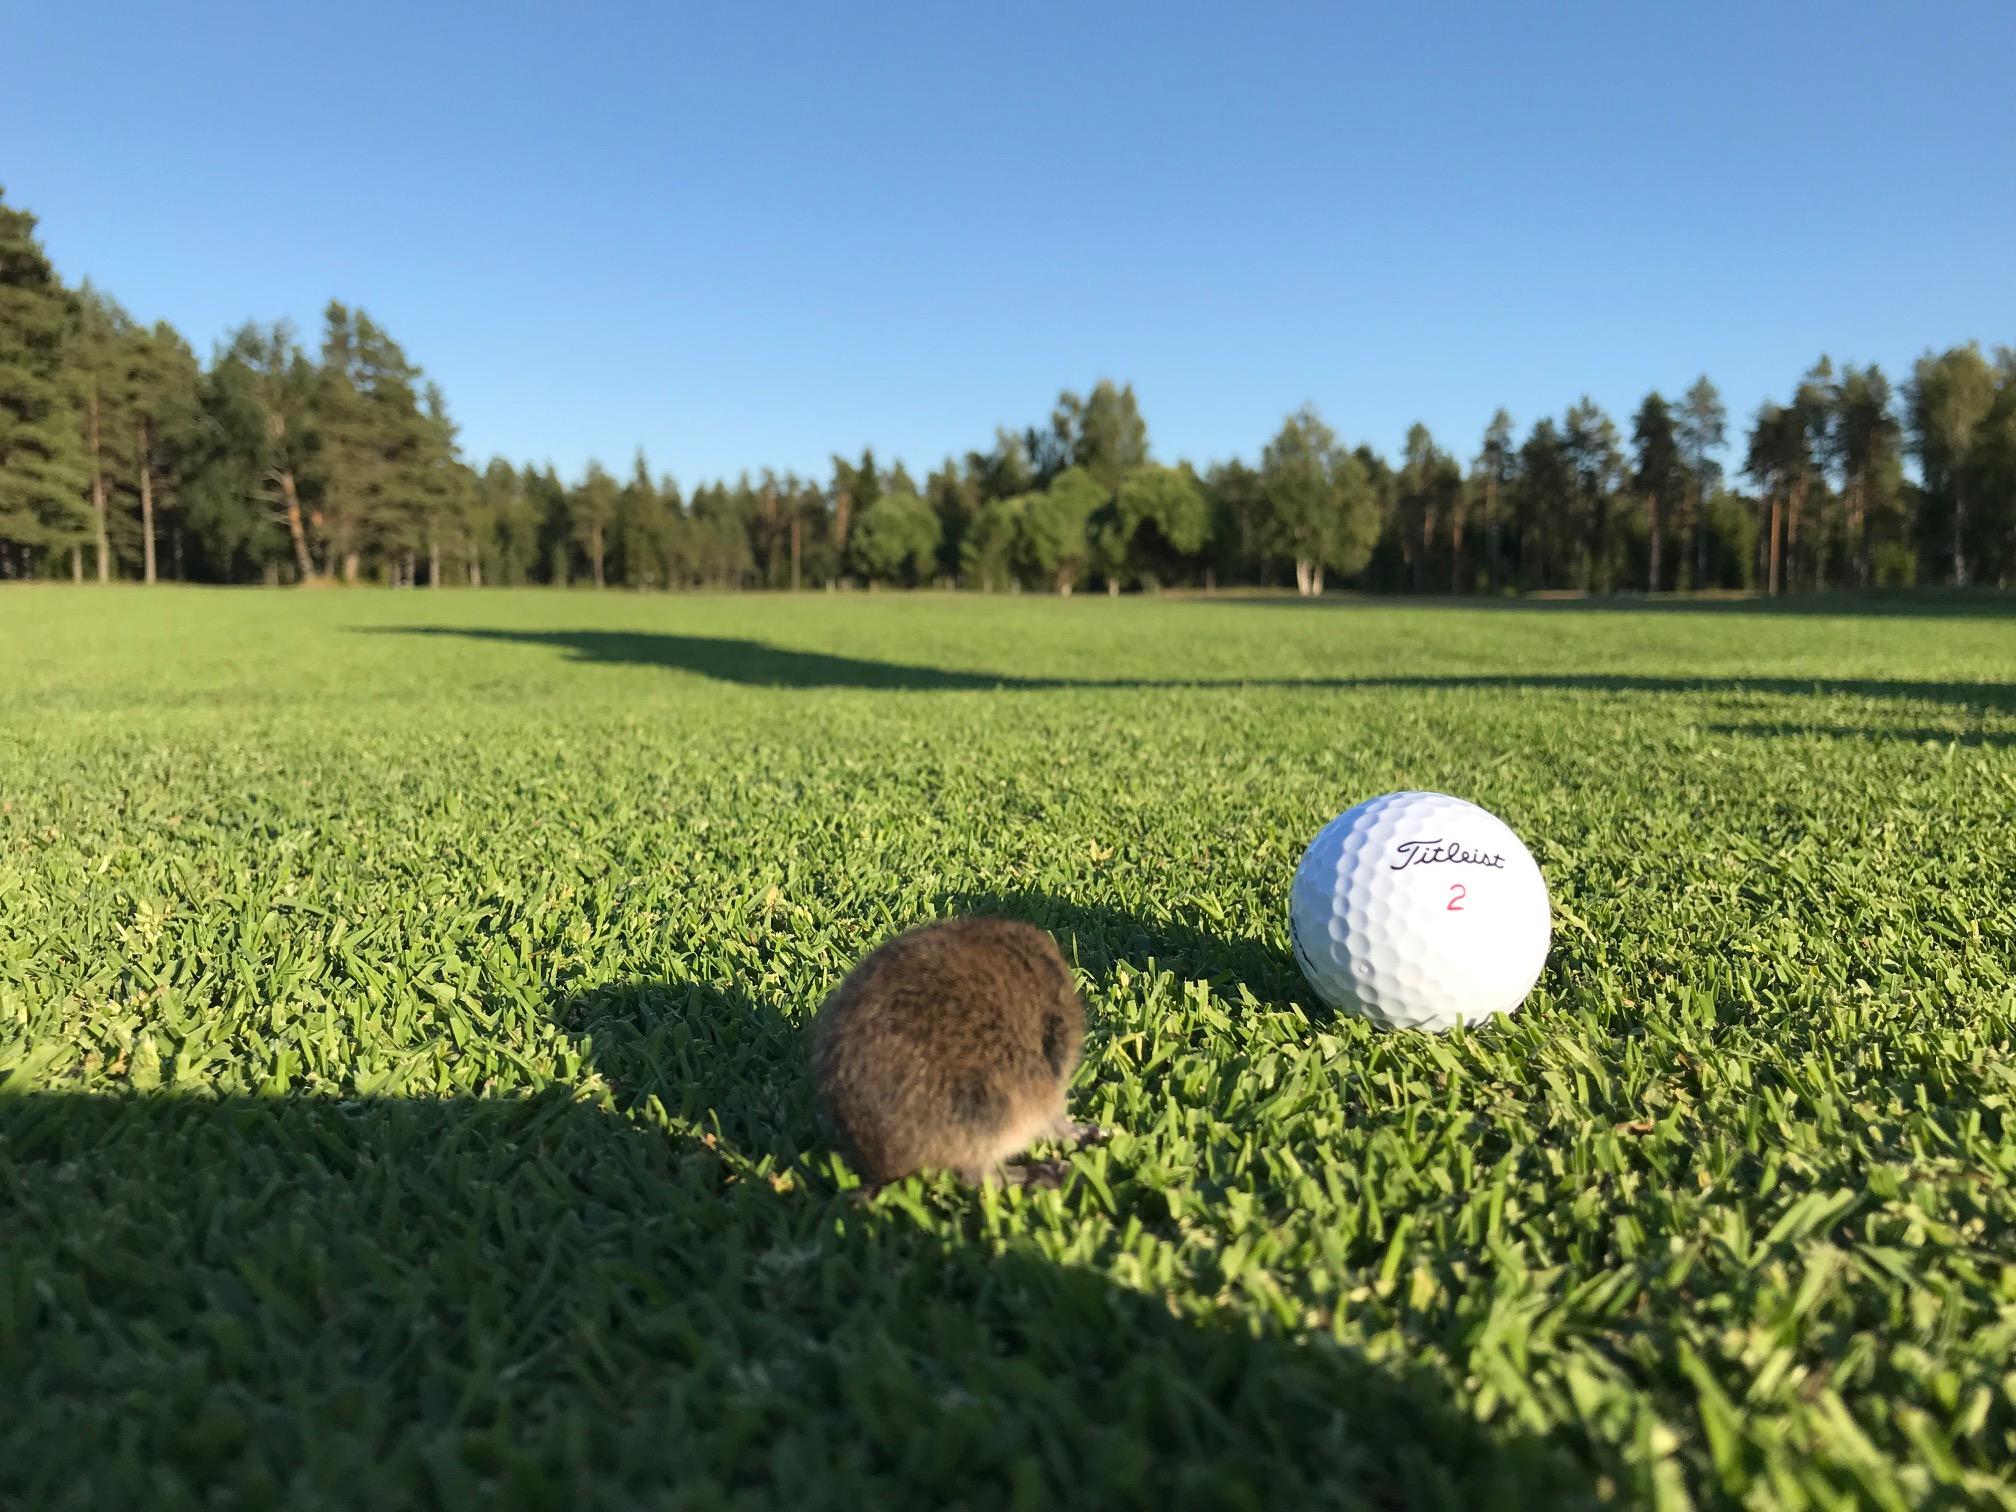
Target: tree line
<point>123,456</point>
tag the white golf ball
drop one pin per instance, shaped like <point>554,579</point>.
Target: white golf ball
<point>1420,911</point>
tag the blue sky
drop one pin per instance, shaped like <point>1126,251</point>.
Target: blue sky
<point>757,235</point>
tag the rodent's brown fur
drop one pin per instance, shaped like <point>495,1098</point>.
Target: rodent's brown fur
<point>949,1047</point>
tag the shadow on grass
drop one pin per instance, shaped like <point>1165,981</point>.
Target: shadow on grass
<point>1925,735</point>
<point>756,664</point>
<point>547,1301</point>
<point>1098,937</point>
<point>1902,603</point>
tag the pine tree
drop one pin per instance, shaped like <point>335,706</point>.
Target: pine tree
<point>1779,459</point>
<point>259,456</point>
<point>1809,503</point>
<point>101,367</point>
<point>504,523</point>
<point>1429,494</point>
<point>855,487</point>
<point>163,397</point>
<point>1103,433</point>
<point>1865,450</point>
<point>379,447</point>
<point>1658,477</point>
<point>1598,468</point>
<point>591,510</point>
<point>42,471</point>
<point>1003,472</point>
<point>1496,467</point>
<point>447,488</point>
<point>1543,503</point>
<point>1702,426</point>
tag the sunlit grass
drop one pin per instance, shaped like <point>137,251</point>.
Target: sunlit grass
<point>405,1103</point>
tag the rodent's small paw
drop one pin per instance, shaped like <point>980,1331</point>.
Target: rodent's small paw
<point>1043,1175</point>
<point>1090,1133</point>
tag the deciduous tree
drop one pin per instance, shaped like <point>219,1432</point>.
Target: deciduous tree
<point>1052,545</point>
<point>1948,398</point>
<point>1321,510</point>
<point>1164,519</point>
<point>895,540</point>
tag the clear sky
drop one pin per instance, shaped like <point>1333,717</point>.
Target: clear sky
<point>749,235</point>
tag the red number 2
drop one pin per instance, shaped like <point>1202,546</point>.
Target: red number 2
<point>1458,892</point>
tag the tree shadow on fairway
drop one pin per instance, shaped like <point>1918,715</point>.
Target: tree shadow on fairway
<point>1903,603</point>
<point>640,1292</point>
<point>751,663</point>
<point>1098,936</point>
<point>757,664</point>
<point>1922,735</point>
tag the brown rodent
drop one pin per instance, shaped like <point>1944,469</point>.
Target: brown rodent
<point>950,1048</point>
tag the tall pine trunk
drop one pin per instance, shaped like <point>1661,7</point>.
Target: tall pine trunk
<point>1791,535</point>
<point>98,491</point>
<point>1652,509</point>
<point>1700,536</point>
<point>1491,534</point>
<point>353,564</point>
<point>433,560</point>
<point>1772,545</point>
<point>1456,551</point>
<point>595,551</point>
<point>797,520</point>
<point>76,564</point>
<point>146,506</point>
<point>291,497</point>
<point>1959,535</point>
<point>1858,534</point>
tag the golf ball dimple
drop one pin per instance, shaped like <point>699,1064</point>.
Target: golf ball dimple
<point>1419,911</point>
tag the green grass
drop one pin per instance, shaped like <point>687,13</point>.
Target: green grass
<point>404,1102</point>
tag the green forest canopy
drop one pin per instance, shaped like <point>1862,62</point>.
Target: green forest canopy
<point>123,456</point>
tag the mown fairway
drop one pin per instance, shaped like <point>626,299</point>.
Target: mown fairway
<point>401,995</point>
